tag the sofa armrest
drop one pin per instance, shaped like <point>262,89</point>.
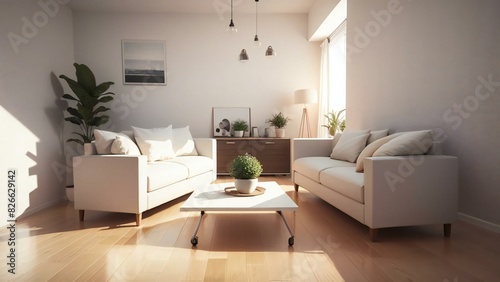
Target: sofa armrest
<point>311,147</point>
<point>208,147</point>
<point>115,183</point>
<point>410,190</point>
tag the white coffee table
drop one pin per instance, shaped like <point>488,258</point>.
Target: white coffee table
<point>213,198</point>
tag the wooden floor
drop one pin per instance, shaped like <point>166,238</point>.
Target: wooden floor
<point>329,246</point>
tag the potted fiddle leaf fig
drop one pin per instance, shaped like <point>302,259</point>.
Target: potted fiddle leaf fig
<point>245,169</point>
<point>89,97</point>
<point>335,122</point>
<point>239,128</point>
<point>279,121</point>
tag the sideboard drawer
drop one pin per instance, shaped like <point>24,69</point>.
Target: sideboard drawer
<point>273,153</point>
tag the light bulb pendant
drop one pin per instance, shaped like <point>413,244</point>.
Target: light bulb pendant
<point>232,28</point>
<point>243,56</point>
<point>256,41</point>
<point>270,52</point>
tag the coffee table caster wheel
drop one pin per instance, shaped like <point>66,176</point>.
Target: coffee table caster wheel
<point>194,240</point>
<point>291,241</point>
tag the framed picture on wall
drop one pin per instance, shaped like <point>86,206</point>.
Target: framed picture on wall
<point>224,117</point>
<point>144,62</point>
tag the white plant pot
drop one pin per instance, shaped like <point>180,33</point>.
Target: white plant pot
<point>246,186</point>
<point>70,194</point>
<point>239,133</point>
<point>280,132</point>
<point>88,149</point>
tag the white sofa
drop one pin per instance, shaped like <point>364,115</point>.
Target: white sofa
<point>392,191</point>
<point>132,184</point>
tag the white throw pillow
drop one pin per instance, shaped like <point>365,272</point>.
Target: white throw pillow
<point>375,135</point>
<point>124,146</point>
<point>350,144</point>
<point>370,149</point>
<point>104,141</point>
<point>183,143</point>
<point>156,143</point>
<point>408,143</point>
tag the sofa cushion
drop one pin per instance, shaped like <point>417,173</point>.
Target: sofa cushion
<point>408,143</point>
<point>346,181</point>
<point>156,143</point>
<point>370,149</point>
<point>311,167</point>
<point>375,135</point>
<point>350,144</point>
<point>163,173</point>
<point>104,141</point>
<point>195,165</point>
<point>124,146</point>
<point>182,142</point>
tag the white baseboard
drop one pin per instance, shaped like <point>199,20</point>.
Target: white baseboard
<point>479,222</point>
<point>30,211</point>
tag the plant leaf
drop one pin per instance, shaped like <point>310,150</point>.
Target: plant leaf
<point>85,77</point>
<point>100,109</point>
<point>74,120</point>
<point>105,99</point>
<point>69,97</point>
<point>101,88</point>
<point>74,112</point>
<point>75,140</point>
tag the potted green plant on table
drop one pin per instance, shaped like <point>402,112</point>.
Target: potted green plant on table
<point>239,128</point>
<point>245,169</point>
<point>279,121</point>
<point>335,122</point>
<point>88,113</point>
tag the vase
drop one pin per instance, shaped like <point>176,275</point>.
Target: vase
<point>88,149</point>
<point>332,131</point>
<point>246,186</point>
<point>238,133</point>
<point>70,193</point>
<point>280,132</point>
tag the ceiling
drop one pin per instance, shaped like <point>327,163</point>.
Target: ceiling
<point>192,6</point>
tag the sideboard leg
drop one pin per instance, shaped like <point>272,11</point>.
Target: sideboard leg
<point>138,219</point>
<point>373,234</point>
<point>296,186</point>
<point>447,229</point>
<point>81,214</point>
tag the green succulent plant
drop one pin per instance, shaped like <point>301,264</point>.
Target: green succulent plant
<point>88,112</point>
<point>278,120</point>
<point>240,125</point>
<point>245,167</point>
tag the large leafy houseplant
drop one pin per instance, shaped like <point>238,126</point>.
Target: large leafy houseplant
<point>335,122</point>
<point>88,112</point>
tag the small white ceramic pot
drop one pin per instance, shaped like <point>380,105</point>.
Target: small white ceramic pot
<point>246,186</point>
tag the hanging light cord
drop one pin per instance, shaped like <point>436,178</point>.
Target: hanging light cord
<point>256,16</point>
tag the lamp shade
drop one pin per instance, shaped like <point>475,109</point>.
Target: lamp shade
<point>306,96</point>
<point>243,56</point>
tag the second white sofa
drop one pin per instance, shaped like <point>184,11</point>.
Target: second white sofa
<point>391,191</point>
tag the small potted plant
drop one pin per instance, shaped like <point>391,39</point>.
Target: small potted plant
<point>239,128</point>
<point>279,121</point>
<point>335,122</point>
<point>245,169</point>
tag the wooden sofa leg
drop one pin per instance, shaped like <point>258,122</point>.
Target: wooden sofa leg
<point>138,218</point>
<point>296,187</point>
<point>447,229</point>
<point>81,214</point>
<point>373,234</point>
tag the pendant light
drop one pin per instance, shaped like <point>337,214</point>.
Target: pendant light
<point>243,56</point>
<point>270,51</point>
<point>256,38</point>
<point>232,28</point>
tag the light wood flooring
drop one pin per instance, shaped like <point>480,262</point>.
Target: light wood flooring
<point>53,245</point>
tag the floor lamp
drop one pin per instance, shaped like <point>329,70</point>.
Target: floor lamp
<point>305,96</point>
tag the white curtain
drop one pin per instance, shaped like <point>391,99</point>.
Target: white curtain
<point>332,92</point>
<point>324,89</point>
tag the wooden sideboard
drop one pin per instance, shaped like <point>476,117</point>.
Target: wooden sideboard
<point>273,153</point>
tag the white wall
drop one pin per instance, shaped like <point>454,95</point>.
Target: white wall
<point>31,111</point>
<point>203,70</point>
<point>421,68</point>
